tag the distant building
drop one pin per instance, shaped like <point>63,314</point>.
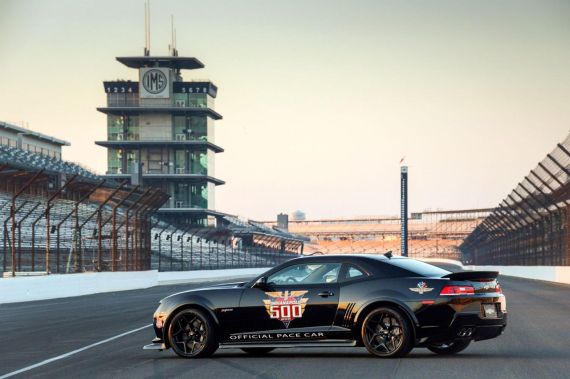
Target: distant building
<point>160,130</point>
<point>283,221</point>
<point>25,139</point>
<point>299,216</point>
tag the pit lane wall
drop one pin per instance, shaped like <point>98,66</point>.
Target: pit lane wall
<point>558,274</point>
<point>20,289</point>
<point>44,287</point>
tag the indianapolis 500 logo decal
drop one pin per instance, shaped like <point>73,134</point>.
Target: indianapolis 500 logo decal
<point>286,306</point>
<point>421,288</point>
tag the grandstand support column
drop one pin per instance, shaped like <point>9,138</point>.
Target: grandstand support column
<point>544,183</point>
<point>159,235</point>
<point>148,210</point>
<point>186,231</point>
<point>553,176</point>
<point>99,240</point>
<point>6,234</point>
<point>146,229</point>
<point>138,227</point>
<point>99,221</point>
<point>127,212</point>
<point>191,253</point>
<point>34,240</point>
<point>566,171</point>
<point>524,200</point>
<point>225,254</point>
<point>114,228</point>
<point>78,259</point>
<point>546,207</point>
<point>566,244</point>
<point>48,227</point>
<point>13,217</point>
<point>32,210</point>
<point>171,238</point>
<point>201,250</point>
<point>532,234</point>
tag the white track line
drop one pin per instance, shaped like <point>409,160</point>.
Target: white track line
<point>42,363</point>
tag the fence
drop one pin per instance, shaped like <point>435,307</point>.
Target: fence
<point>531,225</point>
<point>79,227</point>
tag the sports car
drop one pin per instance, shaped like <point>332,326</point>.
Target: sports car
<point>387,304</point>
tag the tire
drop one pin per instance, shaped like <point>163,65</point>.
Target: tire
<point>387,332</point>
<point>191,334</point>
<point>451,347</point>
<point>258,350</point>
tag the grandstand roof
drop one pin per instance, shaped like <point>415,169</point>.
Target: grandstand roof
<point>44,137</point>
<point>187,63</point>
<point>17,162</point>
<point>243,227</point>
<point>158,109</point>
<point>22,159</point>
<point>160,142</point>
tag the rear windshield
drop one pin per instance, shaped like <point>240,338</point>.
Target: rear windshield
<point>418,267</point>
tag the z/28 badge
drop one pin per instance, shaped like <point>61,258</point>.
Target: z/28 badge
<point>286,306</point>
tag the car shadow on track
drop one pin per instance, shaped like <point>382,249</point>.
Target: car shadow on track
<point>415,355</point>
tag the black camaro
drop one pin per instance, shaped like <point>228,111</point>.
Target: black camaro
<point>387,304</point>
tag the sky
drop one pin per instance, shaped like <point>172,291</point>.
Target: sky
<point>321,99</point>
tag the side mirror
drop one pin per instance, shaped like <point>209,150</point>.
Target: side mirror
<point>260,283</point>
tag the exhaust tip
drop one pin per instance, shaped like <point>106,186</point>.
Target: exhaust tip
<point>465,332</point>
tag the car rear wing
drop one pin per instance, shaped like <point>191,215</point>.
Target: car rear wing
<point>473,275</point>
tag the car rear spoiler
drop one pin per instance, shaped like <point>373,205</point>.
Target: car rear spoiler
<point>473,275</point>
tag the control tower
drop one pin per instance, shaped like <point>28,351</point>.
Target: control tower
<point>160,132</point>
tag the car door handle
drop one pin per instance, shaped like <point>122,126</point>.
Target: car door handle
<point>326,294</point>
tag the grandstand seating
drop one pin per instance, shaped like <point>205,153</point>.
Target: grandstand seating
<point>171,247</point>
<point>18,157</point>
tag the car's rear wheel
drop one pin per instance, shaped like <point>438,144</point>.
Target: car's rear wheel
<point>258,350</point>
<point>386,332</point>
<point>191,334</point>
<point>450,347</point>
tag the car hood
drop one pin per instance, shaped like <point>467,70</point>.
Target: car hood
<point>208,288</point>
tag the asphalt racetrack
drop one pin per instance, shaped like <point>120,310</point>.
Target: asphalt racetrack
<point>76,332</point>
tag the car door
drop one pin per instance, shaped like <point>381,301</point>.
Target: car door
<point>298,302</point>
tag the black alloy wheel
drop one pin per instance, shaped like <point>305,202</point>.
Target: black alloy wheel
<point>191,334</point>
<point>386,332</point>
<point>450,347</point>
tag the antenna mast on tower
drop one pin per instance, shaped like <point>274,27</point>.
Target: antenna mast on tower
<point>173,36</point>
<point>147,28</point>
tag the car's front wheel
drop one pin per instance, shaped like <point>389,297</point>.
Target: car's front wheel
<point>386,332</point>
<point>450,347</point>
<point>191,334</point>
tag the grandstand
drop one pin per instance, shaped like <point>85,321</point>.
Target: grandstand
<point>431,233</point>
<point>56,216</point>
<point>59,217</point>
<point>531,225</point>
<point>234,243</point>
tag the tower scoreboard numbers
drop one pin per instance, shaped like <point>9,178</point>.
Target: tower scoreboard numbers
<point>154,83</point>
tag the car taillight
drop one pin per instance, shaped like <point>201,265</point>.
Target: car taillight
<point>498,289</point>
<point>457,290</point>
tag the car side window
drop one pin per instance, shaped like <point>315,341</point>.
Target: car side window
<point>353,272</point>
<point>308,273</point>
